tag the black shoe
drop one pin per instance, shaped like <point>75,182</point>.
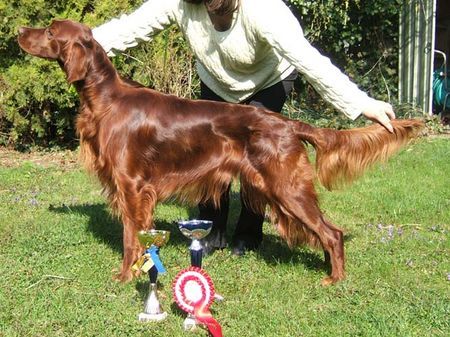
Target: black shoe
<point>213,242</point>
<point>239,248</point>
<point>242,246</point>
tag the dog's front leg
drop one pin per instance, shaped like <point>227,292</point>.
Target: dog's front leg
<point>137,214</point>
<point>131,250</point>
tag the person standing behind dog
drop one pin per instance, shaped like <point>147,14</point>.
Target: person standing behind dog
<point>248,52</point>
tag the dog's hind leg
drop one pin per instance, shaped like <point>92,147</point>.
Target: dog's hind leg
<point>303,221</point>
<point>338,258</point>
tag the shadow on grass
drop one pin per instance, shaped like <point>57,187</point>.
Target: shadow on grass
<point>275,251</point>
<point>101,223</point>
<point>108,229</point>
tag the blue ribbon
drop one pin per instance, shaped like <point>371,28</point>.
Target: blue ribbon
<point>154,254</point>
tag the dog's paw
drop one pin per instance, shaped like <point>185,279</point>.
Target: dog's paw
<point>327,281</point>
<point>137,273</point>
<point>123,276</point>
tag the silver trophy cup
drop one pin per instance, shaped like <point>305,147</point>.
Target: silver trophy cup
<point>152,240</point>
<point>194,230</point>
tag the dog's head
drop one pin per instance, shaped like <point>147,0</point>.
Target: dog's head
<point>65,41</point>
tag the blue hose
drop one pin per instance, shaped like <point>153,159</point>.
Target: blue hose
<point>441,88</point>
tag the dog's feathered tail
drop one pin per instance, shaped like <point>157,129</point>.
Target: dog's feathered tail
<point>343,155</point>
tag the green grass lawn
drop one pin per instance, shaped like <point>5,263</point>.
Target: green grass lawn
<point>59,246</point>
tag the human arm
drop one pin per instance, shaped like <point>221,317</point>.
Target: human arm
<point>126,31</point>
<point>285,35</point>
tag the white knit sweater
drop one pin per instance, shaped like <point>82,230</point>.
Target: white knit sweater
<point>263,45</point>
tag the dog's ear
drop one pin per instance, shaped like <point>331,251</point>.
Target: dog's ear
<point>75,64</point>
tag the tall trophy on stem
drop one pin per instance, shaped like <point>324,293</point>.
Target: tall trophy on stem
<point>150,263</point>
<point>195,230</point>
<point>193,289</point>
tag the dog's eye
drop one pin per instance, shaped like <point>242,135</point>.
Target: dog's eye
<point>49,34</point>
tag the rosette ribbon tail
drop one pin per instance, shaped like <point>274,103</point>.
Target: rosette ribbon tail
<point>204,316</point>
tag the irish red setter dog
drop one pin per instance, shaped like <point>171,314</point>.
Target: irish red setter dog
<point>146,147</point>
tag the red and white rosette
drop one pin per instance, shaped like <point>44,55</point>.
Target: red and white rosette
<point>193,290</point>
<point>193,287</point>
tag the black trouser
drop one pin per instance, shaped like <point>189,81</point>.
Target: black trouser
<point>249,225</point>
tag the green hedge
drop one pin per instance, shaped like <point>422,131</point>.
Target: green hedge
<point>37,107</point>
<point>361,38</point>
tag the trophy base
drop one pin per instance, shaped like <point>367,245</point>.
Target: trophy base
<point>144,317</point>
<point>189,323</point>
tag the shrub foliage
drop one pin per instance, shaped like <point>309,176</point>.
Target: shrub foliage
<point>37,107</point>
